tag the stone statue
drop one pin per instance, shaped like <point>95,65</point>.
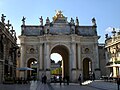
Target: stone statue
<point>8,24</point>
<point>23,20</point>
<point>113,32</point>
<point>41,21</point>
<point>72,21</point>
<point>3,18</point>
<point>93,21</point>
<point>106,35</point>
<point>47,20</point>
<point>12,30</point>
<point>77,21</point>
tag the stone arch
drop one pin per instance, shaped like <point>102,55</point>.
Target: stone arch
<point>87,68</point>
<point>31,61</point>
<point>64,51</point>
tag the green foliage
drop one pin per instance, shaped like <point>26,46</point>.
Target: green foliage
<point>56,71</point>
<point>117,62</point>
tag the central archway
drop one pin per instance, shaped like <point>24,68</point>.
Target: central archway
<point>64,52</point>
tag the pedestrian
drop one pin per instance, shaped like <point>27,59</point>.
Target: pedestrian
<point>67,78</point>
<point>54,79</point>
<point>118,82</point>
<point>45,79</point>
<point>60,79</point>
<point>79,79</point>
<point>93,76</point>
<point>42,78</point>
<point>64,80</point>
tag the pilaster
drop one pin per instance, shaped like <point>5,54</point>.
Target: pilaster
<point>73,61</point>
<point>96,64</point>
<point>22,60</point>
<point>40,61</point>
<point>47,60</point>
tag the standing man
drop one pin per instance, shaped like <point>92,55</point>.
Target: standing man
<point>79,79</point>
<point>60,79</point>
<point>42,78</point>
<point>45,79</point>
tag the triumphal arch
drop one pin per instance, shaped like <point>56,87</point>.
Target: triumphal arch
<point>77,44</point>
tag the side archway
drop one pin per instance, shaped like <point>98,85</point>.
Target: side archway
<point>87,68</point>
<point>32,63</point>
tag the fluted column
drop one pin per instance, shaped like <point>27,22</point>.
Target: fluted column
<point>4,58</point>
<point>79,71</point>
<point>47,60</point>
<point>41,57</point>
<point>97,56</point>
<point>40,61</point>
<point>79,56</point>
<point>73,53</point>
<point>22,59</point>
<point>45,55</point>
<point>96,64</point>
<point>1,71</point>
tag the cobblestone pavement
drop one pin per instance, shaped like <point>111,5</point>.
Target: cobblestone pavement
<point>89,85</point>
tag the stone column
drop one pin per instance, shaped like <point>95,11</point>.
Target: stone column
<point>79,56</point>
<point>40,61</point>
<point>22,59</point>
<point>4,58</point>
<point>79,61</point>
<point>96,66</point>
<point>47,60</point>
<point>1,71</point>
<point>73,53</point>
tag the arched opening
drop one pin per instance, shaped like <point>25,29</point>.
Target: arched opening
<point>63,62</point>
<point>32,63</point>
<point>56,66</point>
<point>87,68</point>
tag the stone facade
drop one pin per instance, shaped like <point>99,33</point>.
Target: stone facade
<point>78,46</point>
<point>7,51</point>
<point>112,45</point>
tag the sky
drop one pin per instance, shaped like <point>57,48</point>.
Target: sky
<point>106,12</point>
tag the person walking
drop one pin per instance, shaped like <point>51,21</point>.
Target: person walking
<point>79,79</point>
<point>45,79</point>
<point>67,78</point>
<point>42,78</point>
<point>93,76</point>
<point>60,79</point>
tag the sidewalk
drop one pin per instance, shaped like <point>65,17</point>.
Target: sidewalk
<point>37,85</point>
<point>103,85</point>
<point>91,85</point>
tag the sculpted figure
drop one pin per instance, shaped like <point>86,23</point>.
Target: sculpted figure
<point>94,22</point>
<point>47,20</point>
<point>72,21</point>
<point>8,24</point>
<point>3,18</point>
<point>77,21</point>
<point>23,20</point>
<point>41,21</point>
